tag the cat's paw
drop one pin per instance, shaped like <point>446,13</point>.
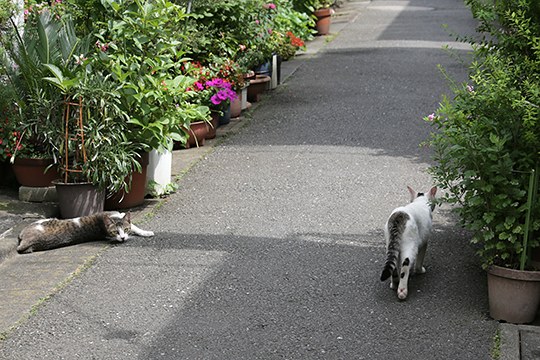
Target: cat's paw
<point>402,293</point>
<point>146,233</point>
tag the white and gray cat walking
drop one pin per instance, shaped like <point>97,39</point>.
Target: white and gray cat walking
<point>406,232</point>
<point>49,234</point>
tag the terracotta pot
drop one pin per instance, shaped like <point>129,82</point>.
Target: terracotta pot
<point>514,295</point>
<point>214,124</point>
<point>78,199</point>
<point>324,19</point>
<point>137,192</point>
<point>236,105</point>
<point>197,133</point>
<point>34,173</point>
<point>257,87</point>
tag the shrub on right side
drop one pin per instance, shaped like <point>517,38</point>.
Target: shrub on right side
<point>488,136</point>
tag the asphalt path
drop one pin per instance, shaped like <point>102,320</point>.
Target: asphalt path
<point>272,247</point>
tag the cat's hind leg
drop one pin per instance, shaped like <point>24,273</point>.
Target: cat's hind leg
<point>395,279</point>
<point>418,267</point>
<point>140,232</point>
<point>402,290</point>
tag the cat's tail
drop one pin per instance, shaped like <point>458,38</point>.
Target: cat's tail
<point>395,227</point>
<point>390,265</point>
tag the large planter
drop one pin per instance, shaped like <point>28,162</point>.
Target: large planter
<point>257,87</point>
<point>514,295</point>
<point>276,71</point>
<point>225,116</point>
<point>197,133</point>
<point>244,99</point>
<point>159,171</point>
<point>324,19</point>
<point>78,199</point>
<point>137,192</point>
<point>214,124</point>
<point>236,105</point>
<point>35,172</point>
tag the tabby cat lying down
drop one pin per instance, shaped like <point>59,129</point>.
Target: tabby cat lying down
<point>49,234</point>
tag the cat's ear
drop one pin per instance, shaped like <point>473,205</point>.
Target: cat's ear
<point>127,217</point>
<point>107,221</point>
<point>412,192</point>
<point>432,192</point>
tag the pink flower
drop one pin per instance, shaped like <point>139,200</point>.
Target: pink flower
<point>242,47</point>
<point>215,99</point>
<point>470,88</point>
<point>269,6</point>
<point>198,85</point>
<point>102,47</point>
<point>257,22</point>
<point>431,117</point>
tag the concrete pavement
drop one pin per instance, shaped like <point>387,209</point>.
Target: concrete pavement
<point>278,256</point>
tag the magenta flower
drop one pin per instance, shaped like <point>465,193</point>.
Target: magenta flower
<point>269,6</point>
<point>215,99</point>
<point>198,85</point>
<point>217,82</point>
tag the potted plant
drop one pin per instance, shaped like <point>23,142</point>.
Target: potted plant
<point>141,51</point>
<point>32,104</point>
<point>323,11</point>
<point>486,153</point>
<point>87,129</point>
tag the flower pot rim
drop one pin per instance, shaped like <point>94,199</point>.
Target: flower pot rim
<point>323,12</point>
<point>26,160</point>
<point>260,79</point>
<point>524,275</point>
<point>62,182</point>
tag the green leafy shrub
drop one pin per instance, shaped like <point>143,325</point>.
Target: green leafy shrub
<point>140,49</point>
<point>488,137</point>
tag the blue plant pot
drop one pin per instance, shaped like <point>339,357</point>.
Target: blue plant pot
<point>264,69</point>
<point>225,118</point>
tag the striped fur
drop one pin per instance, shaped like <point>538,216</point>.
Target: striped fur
<point>395,227</point>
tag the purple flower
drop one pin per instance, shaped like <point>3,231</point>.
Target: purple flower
<point>431,117</point>
<point>198,85</point>
<point>222,95</point>
<point>217,82</point>
<point>215,100</point>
